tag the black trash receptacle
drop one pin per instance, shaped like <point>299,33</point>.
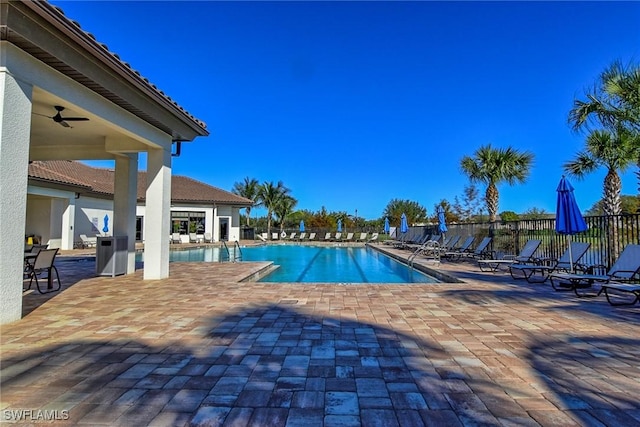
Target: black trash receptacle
<point>248,233</point>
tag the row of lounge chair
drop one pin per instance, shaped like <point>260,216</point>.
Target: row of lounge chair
<point>330,237</point>
<point>453,247</point>
<point>567,273</point>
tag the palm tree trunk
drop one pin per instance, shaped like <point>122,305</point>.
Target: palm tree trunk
<point>491,197</point>
<point>612,208</point>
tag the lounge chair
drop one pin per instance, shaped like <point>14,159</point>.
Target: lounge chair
<point>337,237</point>
<point>632,288</point>
<point>261,237</point>
<point>413,245</point>
<point>449,244</point>
<point>459,251</point>
<point>373,238</point>
<point>545,268</point>
<point>430,250</point>
<point>524,257</point>
<point>349,237</point>
<point>481,251</point>
<point>362,238</point>
<point>175,238</point>
<point>292,236</point>
<point>193,238</point>
<point>88,242</point>
<point>43,263</point>
<point>626,268</point>
<point>208,238</point>
<point>312,236</point>
<point>303,236</point>
<point>327,237</point>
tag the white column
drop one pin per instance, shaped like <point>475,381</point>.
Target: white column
<point>68,222</point>
<point>15,125</point>
<point>124,204</point>
<point>157,214</point>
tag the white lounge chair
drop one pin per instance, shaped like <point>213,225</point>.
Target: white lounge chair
<point>88,242</point>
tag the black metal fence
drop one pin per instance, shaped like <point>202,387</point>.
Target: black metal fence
<point>608,235</point>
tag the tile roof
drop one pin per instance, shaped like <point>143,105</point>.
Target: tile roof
<point>92,180</point>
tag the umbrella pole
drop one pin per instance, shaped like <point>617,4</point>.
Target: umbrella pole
<point>570,256</point>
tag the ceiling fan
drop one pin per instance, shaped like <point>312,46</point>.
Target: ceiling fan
<point>63,120</point>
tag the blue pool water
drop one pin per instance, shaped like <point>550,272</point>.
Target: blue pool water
<point>316,264</point>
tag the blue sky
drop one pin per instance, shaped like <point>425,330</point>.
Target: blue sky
<point>352,104</point>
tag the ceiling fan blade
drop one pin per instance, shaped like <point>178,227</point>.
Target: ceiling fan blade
<point>75,119</point>
<point>63,123</point>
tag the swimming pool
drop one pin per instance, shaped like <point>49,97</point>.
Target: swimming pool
<point>316,264</point>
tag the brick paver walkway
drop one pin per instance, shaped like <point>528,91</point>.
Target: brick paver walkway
<point>203,348</point>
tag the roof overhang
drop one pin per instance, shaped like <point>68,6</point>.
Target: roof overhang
<point>42,31</point>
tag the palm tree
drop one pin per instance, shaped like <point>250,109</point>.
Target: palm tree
<point>493,166</point>
<point>269,195</point>
<point>249,189</point>
<point>613,102</point>
<point>283,208</point>
<point>616,151</point>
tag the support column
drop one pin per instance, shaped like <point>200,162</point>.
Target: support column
<point>157,214</point>
<point>15,125</point>
<point>68,220</point>
<point>124,204</point>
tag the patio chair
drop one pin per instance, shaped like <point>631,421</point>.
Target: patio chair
<point>546,267</point>
<point>175,238</point>
<point>349,237</point>
<point>303,236</point>
<point>292,236</point>
<point>193,238</point>
<point>449,243</point>
<point>626,268</point>
<point>337,237</point>
<point>362,238</point>
<point>327,237</point>
<point>462,249</point>
<point>617,287</point>
<point>88,242</point>
<point>524,257</point>
<point>373,238</point>
<point>208,238</point>
<point>43,263</point>
<point>312,236</point>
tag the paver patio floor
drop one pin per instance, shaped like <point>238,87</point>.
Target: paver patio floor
<point>203,348</point>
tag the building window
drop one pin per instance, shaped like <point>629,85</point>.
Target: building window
<point>187,222</point>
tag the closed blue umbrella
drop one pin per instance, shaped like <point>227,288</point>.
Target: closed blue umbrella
<point>302,225</point>
<point>569,220</point>
<point>386,225</point>
<point>105,229</point>
<point>442,223</point>
<point>339,226</point>
<point>404,227</point>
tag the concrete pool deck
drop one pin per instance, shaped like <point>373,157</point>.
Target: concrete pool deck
<point>203,348</point>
